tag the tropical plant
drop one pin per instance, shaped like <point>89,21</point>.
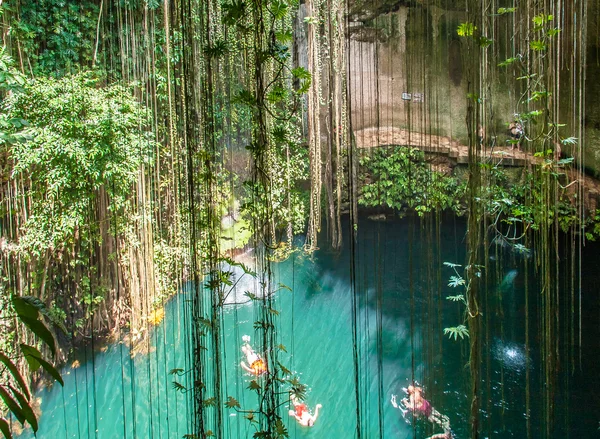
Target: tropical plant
<point>400,178</point>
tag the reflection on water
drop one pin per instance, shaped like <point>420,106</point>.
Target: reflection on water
<point>511,355</point>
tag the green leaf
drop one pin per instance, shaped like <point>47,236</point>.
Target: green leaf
<point>537,95</point>
<point>254,385</point>
<point>39,329</point>
<point>15,373</point>
<point>553,32</point>
<point>285,370</point>
<point>466,29</point>
<point>31,355</point>
<point>301,73</point>
<point>502,11</point>
<point>507,62</point>
<point>209,402</point>
<point>485,42</point>
<point>537,45</point>
<point>51,370</point>
<point>232,403</point>
<point>35,360</point>
<point>176,372</point>
<point>456,281</point>
<point>179,387</point>
<point>12,405</point>
<point>455,332</point>
<point>284,37</point>
<point>280,428</point>
<point>24,308</point>
<point>280,10</point>
<point>569,141</point>
<point>5,429</point>
<point>27,411</point>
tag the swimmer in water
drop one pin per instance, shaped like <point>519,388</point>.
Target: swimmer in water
<point>415,402</point>
<point>419,406</point>
<point>256,364</point>
<point>302,414</point>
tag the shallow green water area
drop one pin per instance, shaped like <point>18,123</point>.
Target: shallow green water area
<point>400,316</point>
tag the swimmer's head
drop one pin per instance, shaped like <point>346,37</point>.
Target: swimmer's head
<point>310,422</point>
<point>245,349</point>
<point>411,388</point>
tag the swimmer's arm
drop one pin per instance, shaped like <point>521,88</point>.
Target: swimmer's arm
<point>394,403</point>
<point>246,368</point>
<point>314,418</point>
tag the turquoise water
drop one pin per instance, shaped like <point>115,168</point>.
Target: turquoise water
<point>401,313</point>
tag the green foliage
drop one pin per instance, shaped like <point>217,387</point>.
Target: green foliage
<point>507,62</point>
<point>457,331</point>
<point>85,138</point>
<point>502,11</point>
<point>466,29</point>
<point>400,177</point>
<point>18,400</point>
<point>57,36</point>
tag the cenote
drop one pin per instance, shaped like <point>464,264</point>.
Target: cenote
<point>219,218</point>
<point>401,313</point>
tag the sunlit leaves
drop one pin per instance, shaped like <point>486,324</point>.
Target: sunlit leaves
<point>569,141</point>
<point>542,19</point>
<point>456,281</point>
<point>553,32</point>
<point>305,78</point>
<point>277,94</point>
<point>457,298</point>
<point>537,45</point>
<point>279,9</point>
<point>537,95</point>
<point>456,331</point>
<point>466,29</point>
<point>502,11</point>
<point>87,138</point>
<point>284,37</point>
